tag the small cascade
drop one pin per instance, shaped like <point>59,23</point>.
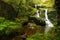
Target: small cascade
<point>37,12</point>
<point>49,25</point>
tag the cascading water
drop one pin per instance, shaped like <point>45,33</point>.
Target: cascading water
<point>37,12</point>
<point>49,25</point>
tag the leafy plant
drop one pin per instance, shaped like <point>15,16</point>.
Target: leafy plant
<point>7,27</point>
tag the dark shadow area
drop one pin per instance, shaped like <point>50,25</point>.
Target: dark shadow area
<point>7,11</point>
<point>57,5</point>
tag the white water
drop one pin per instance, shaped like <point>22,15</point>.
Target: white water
<point>49,25</point>
<point>37,12</point>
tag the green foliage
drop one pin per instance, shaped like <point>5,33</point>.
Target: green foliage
<point>39,36</point>
<point>7,26</point>
<point>57,33</point>
<point>25,7</point>
<point>36,36</point>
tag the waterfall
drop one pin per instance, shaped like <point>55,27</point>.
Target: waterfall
<point>49,25</point>
<point>37,12</point>
<point>46,16</point>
